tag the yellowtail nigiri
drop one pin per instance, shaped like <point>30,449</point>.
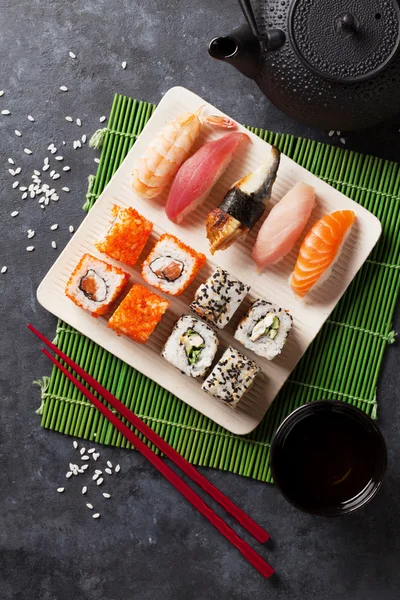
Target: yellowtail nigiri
<point>243,205</point>
<point>283,226</point>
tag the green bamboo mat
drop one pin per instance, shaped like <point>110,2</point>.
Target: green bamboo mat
<point>342,363</point>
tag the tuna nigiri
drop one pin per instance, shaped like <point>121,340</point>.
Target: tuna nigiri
<point>198,174</point>
<point>243,205</point>
<point>283,226</point>
<point>319,249</point>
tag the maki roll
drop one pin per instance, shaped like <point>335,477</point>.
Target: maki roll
<point>95,285</point>
<point>264,329</point>
<point>219,297</point>
<point>172,265</point>
<point>126,235</point>
<point>191,347</point>
<point>138,314</point>
<point>231,377</point>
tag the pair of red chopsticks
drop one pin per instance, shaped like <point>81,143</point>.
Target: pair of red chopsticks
<point>247,522</point>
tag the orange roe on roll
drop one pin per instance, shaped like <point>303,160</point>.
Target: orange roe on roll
<point>138,314</point>
<point>126,236</point>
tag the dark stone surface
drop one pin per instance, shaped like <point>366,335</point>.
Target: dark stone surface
<point>148,544</point>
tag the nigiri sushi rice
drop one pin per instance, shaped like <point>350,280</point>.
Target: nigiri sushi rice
<point>231,377</point>
<point>217,299</point>
<point>191,347</point>
<point>264,329</point>
<point>126,236</point>
<point>172,265</point>
<point>95,285</point>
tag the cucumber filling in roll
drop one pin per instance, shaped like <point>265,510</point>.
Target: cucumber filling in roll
<point>267,326</point>
<point>194,345</point>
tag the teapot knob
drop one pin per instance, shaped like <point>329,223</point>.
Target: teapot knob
<point>346,24</point>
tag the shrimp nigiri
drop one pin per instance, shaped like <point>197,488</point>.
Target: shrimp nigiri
<point>283,226</point>
<point>319,249</point>
<point>198,174</point>
<point>169,149</point>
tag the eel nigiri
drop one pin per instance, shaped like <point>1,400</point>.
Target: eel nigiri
<point>164,155</point>
<point>199,173</point>
<point>243,205</point>
<point>319,249</point>
<point>283,226</point>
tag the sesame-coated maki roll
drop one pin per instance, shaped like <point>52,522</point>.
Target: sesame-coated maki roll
<point>126,235</point>
<point>191,347</point>
<point>95,285</point>
<point>264,329</point>
<point>217,299</point>
<point>231,377</point>
<point>138,314</point>
<point>172,265</point>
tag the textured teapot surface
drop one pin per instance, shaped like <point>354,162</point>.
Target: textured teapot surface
<point>338,66</point>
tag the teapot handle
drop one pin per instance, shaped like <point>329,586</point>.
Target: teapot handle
<point>247,10</point>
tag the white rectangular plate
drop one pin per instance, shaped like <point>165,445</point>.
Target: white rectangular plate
<point>272,284</point>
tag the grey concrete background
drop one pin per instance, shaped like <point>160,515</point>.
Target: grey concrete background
<point>148,542</point>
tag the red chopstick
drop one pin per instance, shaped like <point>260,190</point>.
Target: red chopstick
<point>247,522</point>
<point>251,555</point>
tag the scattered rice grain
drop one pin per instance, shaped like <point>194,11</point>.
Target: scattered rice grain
<point>108,471</point>
<point>69,119</point>
<point>106,495</point>
<point>27,151</point>
<point>84,467</point>
<point>45,167</point>
<point>79,122</point>
<point>109,464</point>
<point>11,171</point>
<point>102,119</point>
<point>15,184</point>
<point>96,516</point>
<point>53,228</point>
<point>95,476</point>
<point>69,474</point>
<point>10,160</point>
<point>24,196</point>
<point>56,176</point>
<point>71,230</point>
<point>86,457</point>
<point>18,133</point>
<point>31,118</point>
<point>75,444</point>
<point>97,160</point>
<point>65,189</point>
<point>1,93</point>
<point>84,489</point>
<point>53,244</point>
<point>60,490</point>
<point>342,140</point>
<point>15,213</point>
<point>89,505</point>
<point>4,269</point>
<point>100,481</point>
<point>59,158</point>
<point>31,234</point>
<point>5,112</point>
<point>17,171</point>
<point>84,138</point>
<point>117,469</point>
<point>63,88</point>
<point>71,54</point>
<point>66,168</point>
<point>123,64</point>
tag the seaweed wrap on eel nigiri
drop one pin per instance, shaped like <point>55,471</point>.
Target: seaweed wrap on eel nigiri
<point>243,205</point>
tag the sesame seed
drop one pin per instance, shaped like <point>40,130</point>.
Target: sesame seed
<point>15,213</point>
<point>84,489</point>
<point>31,118</point>
<point>53,228</point>
<point>79,122</point>
<point>31,234</point>
<point>96,516</point>
<point>17,171</point>
<point>100,481</point>
<point>4,269</point>
<point>71,230</point>
<point>84,138</point>
<point>63,88</point>
<point>83,457</point>
<point>117,469</point>
<point>65,189</point>
<point>71,54</point>
<point>109,464</point>
<point>66,168</point>
<point>69,474</point>
<point>60,490</point>
<point>97,160</point>
<point>24,196</point>
<point>106,495</point>
<point>54,245</point>
<point>102,119</point>
<point>70,119</point>
<point>10,160</point>
<point>108,471</point>
<point>89,505</point>
<point>27,151</point>
<point>18,133</point>
<point>123,64</point>
<point>5,112</point>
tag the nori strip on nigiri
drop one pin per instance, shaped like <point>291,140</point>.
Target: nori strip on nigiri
<point>243,205</point>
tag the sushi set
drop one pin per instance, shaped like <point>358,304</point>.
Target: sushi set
<point>210,261</point>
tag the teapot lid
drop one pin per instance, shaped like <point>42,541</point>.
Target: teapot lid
<point>345,40</point>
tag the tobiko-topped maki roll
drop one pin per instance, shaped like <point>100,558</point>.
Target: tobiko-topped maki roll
<point>95,285</point>
<point>232,377</point>
<point>138,314</point>
<point>191,347</point>
<point>126,235</point>
<point>172,265</point>
<point>217,299</point>
<point>264,329</point>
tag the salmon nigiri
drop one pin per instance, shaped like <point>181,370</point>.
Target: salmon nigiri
<point>199,173</point>
<point>283,226</point>
<point>319,249</point>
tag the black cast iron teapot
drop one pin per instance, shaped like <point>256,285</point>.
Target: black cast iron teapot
<point>333,64</point>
